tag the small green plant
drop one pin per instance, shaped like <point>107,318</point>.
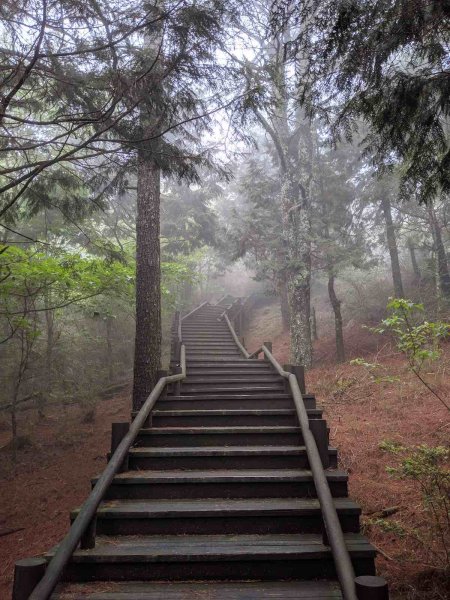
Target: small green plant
<point>418,339</point>
<point>372,369</point>
<point>428,467</point>
<point>389,526</point>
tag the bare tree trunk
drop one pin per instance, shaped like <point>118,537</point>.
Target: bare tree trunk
<point>441,257</point>
<point>49,344</point>
<point>284,304</point>
<point>109,348</point>
<point>296,231</point>
<point>147,350</point>
<point>314,332</point>
<point>415,266</point>
<point>392,246</point>
<point>336,305</point>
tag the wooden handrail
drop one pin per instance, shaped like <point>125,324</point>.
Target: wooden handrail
<point>194,310</point>
<point>87,513</point>
<point>341,556</point>
<point>235,337</point>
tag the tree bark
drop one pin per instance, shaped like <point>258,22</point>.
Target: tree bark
<point>415,266</point>
<point>49,345</point>
<point>336,305</point>
<point>147,350</point>
<point>284,304</point>
<point>109,348</point>
<point>296,232</point>
<point>314,332</point>
<point>441,257</point>
<point>392,246</point>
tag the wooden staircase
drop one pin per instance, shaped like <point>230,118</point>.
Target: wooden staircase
<point>218,501</point>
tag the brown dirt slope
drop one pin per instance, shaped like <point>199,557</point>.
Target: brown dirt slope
<point>52,476</point>
<point>364,408</point>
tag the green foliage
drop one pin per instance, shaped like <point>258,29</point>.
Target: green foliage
<point>429,468</point>
<point>373,371</point>
<point>388,526</point>
<point>34,281</point>
<point>416,337</point>
<point>387,62</point>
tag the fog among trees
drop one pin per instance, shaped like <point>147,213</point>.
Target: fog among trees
<point>156,154</point>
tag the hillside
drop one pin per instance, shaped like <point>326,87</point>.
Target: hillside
<point>364,409</point>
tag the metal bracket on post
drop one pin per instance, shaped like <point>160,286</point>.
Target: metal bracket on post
<point>27,574</point>
<point>118,432</point>
<point>370,587</point>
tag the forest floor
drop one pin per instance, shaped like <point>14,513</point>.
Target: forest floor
<point>54,466</point>
<point>59,456</point>
<point>365,407</point>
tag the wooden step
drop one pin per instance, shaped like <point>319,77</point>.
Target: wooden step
<point>223,457</point>
<point>217,372</point>
<point>165,590</point>
<point>220,436</point>
<point>247,379</point>
<point>222,418</point>
<point>238,389</point>
<point>222,483</point>
<point>227,362</point>
<point>206,557</point>
<point>237,400</point>
<point>215,516</point>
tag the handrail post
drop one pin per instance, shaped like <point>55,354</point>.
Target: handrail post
<point>371,587</point>
<point>319,430</point>
<point>118,432</point>
<point>88,538</point>
<point>27,574</point>
<point>299,372</point>
<point>288,369</point>
<point>268,345</point>
<point>177,384</point>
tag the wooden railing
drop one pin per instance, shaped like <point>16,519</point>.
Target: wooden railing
<point>333,529</point>
<point>82,530</point>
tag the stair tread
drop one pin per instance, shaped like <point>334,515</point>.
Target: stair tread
<point>274,395</point>
<point>241,412</point>
<point>217,507</point>
<point>147,548</point>
<point>230,429</point>
<point>165,590</point>
<point>220,451</point>
<point>255,388</point>
<point>223,475</point>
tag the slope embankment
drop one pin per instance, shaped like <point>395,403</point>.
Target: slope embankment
<point>368,408</point>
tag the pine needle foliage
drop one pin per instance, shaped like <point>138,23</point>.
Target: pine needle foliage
<point>387,62</point>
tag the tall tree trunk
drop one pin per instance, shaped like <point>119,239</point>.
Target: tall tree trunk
<point>284,304</point>
<point>296,232</point>
<point>314,332</point>
<point>415,266</point>
<point>441,257</point>
<point>336,305</point>
<point>392,245</point>
<point>147,350</point>
<point>49,344</point>
<point>109,348</point>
